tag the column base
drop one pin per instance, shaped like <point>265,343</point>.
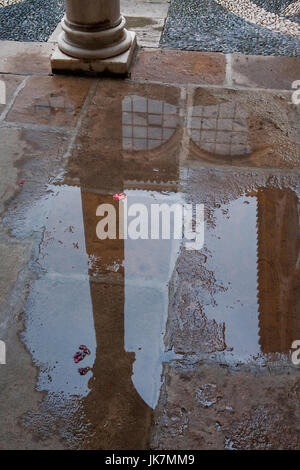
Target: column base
<point>118,65</point>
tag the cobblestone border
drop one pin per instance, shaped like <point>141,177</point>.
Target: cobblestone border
<point>251,12</point>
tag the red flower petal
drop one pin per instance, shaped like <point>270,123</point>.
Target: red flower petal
<point>119,196</point>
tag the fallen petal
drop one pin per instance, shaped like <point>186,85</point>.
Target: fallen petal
<point>83,370</point>
<point>78,357</point>
<point>119,196</point>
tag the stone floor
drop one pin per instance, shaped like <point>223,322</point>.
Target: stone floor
<point>189,349</point>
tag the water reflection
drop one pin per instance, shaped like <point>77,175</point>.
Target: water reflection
<point>147,123</point>
<point>113,295</point>
<point>232,257</point>
<point>253,249</point>
<point>278,269</point>
<point>149,265</point>
<point>57,100</point>
<point>220,129</point>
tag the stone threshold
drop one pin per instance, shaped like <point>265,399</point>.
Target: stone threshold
<point>235,71</point>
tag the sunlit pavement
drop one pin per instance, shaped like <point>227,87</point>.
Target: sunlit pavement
<point>189,349</point>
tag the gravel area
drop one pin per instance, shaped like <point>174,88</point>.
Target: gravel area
<point>281,7</point>
<point>5,3</point>
<point>30,20</point>
<point>207,26</point>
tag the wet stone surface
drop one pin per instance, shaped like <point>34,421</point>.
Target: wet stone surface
<point>11,83</point>
<point>159,64</point>
<point>208,406</point>
<point>196,342</point>
<point>51,101</point>
<point>265,71</point>
<point>25,58</point>
<point>226,299</point>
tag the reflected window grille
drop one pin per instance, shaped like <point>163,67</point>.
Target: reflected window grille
<point>147,123</point>
<point>220,129</point>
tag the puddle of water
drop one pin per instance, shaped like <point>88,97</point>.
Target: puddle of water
<point>148,265</point>
<point>113,295</point>
<point>56,101</point>
<point>253,251</point>
<point>103,294</point>
<point>220,129</point>
<point>254,133</point>
<point>232,247</point>
<point>59,307</point>
<point>61,300</point>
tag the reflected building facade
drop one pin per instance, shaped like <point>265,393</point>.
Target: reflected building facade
<point>143,157</point>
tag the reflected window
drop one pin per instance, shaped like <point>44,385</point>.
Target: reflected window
<point>147,123</point>
<point>220,129</point>
<point>56,101</point>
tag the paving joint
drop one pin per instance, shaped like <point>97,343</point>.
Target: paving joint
<point>13,98</point>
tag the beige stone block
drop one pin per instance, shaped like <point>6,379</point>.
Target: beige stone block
<point>118,65</point>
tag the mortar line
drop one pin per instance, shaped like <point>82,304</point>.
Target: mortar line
<point>36,127</point>
<point>81,116</point>
<point>228,77</point>
<point>27,74</point>
<point>13,98</point>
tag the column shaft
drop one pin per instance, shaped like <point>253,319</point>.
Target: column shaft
<point>94,29</point>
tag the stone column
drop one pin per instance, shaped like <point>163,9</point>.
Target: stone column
<point>93,38</point>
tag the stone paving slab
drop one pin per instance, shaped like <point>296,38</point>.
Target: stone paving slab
<point>205,406</point>
<point>11,266</point>
<point>179,67</point>
<point>265,72</point>
<point>152,64</point>
<point>204,68</point>
<point>11,85</point>
<point>27,155</point>
<point>52,101</point>
<point>145,8</point>
<point>25,58</point>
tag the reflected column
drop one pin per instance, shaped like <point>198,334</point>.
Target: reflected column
<point>278,269</point>
<point>119,417</point>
